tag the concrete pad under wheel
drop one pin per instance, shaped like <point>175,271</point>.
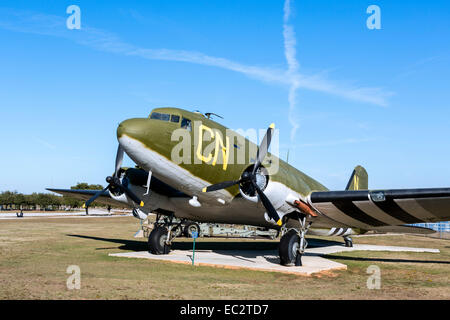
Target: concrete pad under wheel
<point>266,260</point>
<point>240,259</point>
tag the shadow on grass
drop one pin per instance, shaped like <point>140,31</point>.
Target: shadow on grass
<point>133,245</point>
<point>240,250</point>
<point>204,244</point>
<point>329,256</point>
<point>243,249</point>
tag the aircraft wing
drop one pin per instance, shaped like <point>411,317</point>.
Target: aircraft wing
<point>87,194</point>
<point>368,209</point>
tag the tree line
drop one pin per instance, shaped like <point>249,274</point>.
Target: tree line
<point>12,200</point>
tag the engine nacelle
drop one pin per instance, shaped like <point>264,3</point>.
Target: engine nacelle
<point>135,179</point>
<point>278,194</point>
<point>139,214</point>
<point>275,191</point>
<point>120,197</point>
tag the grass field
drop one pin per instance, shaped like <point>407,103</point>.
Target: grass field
<point>35,253</point>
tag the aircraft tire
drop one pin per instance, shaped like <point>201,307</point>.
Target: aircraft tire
<point>287,248</point>
<point>348,243</point>
<point>191,227</point>
<point>156,240</point>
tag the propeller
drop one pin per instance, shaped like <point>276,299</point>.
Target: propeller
<point>114,182</point>
<point>251,177</point>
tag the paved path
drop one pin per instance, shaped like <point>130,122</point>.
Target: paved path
<point>62,214</point>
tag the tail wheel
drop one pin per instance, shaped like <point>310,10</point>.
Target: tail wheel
<point>157,241</point>
<point>190,228</point>
<point>348,242</point>
<point>288,247</point>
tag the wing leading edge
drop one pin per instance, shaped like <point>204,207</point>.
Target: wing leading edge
<point>379,208</point>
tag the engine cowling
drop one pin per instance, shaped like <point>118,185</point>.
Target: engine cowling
<point>116,193</point>
<point>275,191</point>
<point>136,180</point>
<point>262,180</point>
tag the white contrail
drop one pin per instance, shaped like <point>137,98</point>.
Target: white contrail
<point>51,25</point>
<point>44,143</point>
<point>290,51</point>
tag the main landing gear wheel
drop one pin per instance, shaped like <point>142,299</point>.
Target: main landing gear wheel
<point>288,248</point>
<point>190,228</point>
<point>157,241</point>
<point>293,243</point>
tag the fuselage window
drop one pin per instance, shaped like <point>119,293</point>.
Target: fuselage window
<point>174,118</point>
<point>160,116</point>
<point>186,124</point>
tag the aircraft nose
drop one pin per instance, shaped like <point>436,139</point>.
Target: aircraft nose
<point>134,128</point>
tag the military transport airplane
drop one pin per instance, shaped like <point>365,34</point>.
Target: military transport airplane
<point>179,176</point>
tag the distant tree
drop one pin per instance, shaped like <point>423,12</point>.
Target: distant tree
<point>33,199</point>
<point>75,203</point>
<point>86,186</point>
<point>44,200</point>
<point>71,202</point>
<point>19,200</point>
<point>8,198</point>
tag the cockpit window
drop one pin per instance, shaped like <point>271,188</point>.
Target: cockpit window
<point>186,124</point>
<point>160,116</point>
<point>174,118</point>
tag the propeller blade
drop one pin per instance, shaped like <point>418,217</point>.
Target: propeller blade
<point>98,194</point>
<point>221,185</point>
<point>267,204</point>
<point>263,148</point>
<point>130,194</point>
<point>119,158</point>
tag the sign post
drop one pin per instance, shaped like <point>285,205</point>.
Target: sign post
<point>194,235</point>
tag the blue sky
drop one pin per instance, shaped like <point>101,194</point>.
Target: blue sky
<point>379,98</point>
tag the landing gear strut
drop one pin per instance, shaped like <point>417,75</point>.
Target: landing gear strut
<point>293,244</point>
<point>348,242</point>
<point>162,235</point>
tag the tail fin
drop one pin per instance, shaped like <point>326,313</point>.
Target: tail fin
<point>359,179</point>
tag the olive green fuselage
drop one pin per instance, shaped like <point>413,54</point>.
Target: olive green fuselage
<point>156,135</point>
<point>174,156</point>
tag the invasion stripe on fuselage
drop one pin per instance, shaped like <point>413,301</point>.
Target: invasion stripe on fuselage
<point>336,232</point>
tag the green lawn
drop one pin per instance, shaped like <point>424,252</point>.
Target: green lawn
<point>35,253</point>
